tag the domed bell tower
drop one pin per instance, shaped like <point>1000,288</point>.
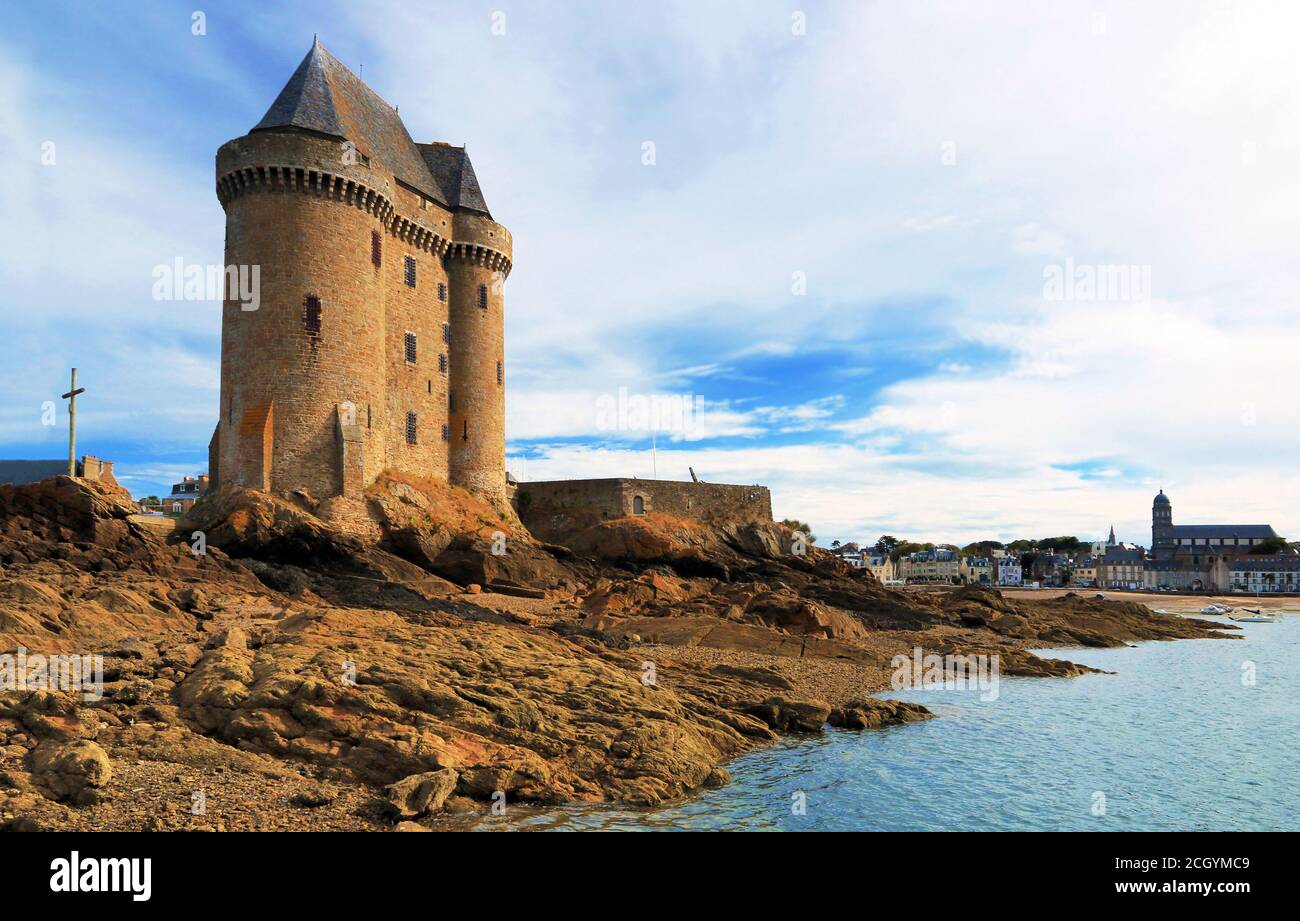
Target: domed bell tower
<point>1162,526</point>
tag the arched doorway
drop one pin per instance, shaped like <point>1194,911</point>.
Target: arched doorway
<point>638,505</point>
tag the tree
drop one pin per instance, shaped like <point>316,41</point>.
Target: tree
<point>1269,546</point>
<point>981,548</point>
<point>795,525</point>
<point>835,545</point>
<point>906,548</point>
<point>1061,544</point>
<point>886,544</point>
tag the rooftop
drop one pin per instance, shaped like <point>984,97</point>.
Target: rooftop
<point>1223,530</point>
<point>17,472</point>
<point>325,97</point>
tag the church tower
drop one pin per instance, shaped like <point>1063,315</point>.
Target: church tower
<point>377,341</point>
<point>1162,526</point>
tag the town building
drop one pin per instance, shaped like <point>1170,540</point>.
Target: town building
<point>932,566</point>
<point>976,570</point>
<point>1265,574</point>
<point>1210,557</point>
<point>184,494</point>
<point>1181,576</point>
<point>881,566</point>
<point>1099,546</point>
<point>1171,541</point>
<point>1047,567</point>
<point>850,553</point>
<point>1085,572</point>
<point>18,472</point>
<point>1009,571</point>
<point>1121,568</point>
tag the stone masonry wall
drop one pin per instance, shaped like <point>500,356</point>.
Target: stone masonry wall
<point>573,504</point>
<point>419,387</point>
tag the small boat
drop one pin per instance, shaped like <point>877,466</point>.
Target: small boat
<point>1216,609</point>
<point>1257,617</point>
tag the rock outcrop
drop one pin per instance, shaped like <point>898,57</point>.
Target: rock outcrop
<point>447,661</point>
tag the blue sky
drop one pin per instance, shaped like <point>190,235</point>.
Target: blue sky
<point>840,246</point>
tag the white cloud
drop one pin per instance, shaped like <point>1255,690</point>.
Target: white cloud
<point>1167,139</point>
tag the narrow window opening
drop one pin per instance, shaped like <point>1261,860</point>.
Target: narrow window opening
<point>410,348</point>
<point>451,401</point>
<point>464,434</point>
<point>410,428</point>
<point>446,432</point>
<point>500,374</point>
<point>442,291</point>
<point>446,333</point>
<point>311,315</point>
<point>376,245</point>
<point>482,296</point>
<point>442,363</point>
<point>410,271</point>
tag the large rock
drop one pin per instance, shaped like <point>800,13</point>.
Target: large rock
<point>685,544</point>
<point>61,509</point>
<point>292,551</point>
<point>786,715</point>
<point>421,794</point>
<point>520,712</point>
<point>244,522</point>
<point>66,769</point>
<point>793,614</point>
<point>472,559</point>
<point>870,713</point>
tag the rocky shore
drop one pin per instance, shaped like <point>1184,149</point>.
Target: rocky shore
<point>443,660</point>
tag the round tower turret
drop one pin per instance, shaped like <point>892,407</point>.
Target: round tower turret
<point>301,219</point>
<point>477,263</point>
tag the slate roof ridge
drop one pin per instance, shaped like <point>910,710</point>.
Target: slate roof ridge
<point>324,96</point>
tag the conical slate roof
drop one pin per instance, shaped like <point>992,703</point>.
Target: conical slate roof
<point>454,174</point>
<point>324,96</point>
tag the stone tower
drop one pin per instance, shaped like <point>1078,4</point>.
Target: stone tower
<point>1162,525</point>
<point>378,339</point>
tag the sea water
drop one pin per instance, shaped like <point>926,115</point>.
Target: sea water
<point>1185,735</point>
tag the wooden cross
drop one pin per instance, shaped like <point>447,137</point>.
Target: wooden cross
<point>71,397</point>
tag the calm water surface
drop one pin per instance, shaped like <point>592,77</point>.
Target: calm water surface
<point>1174,740</point>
